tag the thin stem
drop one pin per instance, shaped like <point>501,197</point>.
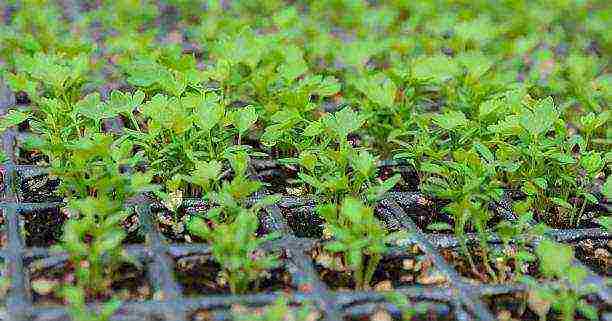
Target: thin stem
<point>577,218</point>
<point>371,268</point>
<point>134,121</point>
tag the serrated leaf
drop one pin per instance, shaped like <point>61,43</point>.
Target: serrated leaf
<point>92,108</point>
<point>541,119</point>
<point>313,129</point>
<point>12,118</point>
<point>208,114</point>
<point>244,118</point>
<point>450,120</point>
<point>484,151</point>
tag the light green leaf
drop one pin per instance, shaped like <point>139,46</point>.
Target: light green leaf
<point>12,118</point>
<point>541,119</point>
<point>244,118</point>
<point>450,120</point>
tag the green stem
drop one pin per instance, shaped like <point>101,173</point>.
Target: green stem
<point>134,121</point>
<point>577,218</point>
<point>371,268</point>
<point>211,153</point>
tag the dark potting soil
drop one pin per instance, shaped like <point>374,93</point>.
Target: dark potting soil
<point>409,181</point>
<point>199,275</point>
<point>31,157</point>
<point>3,234</point>
<point>304,221</point>
<point>129,284</point>
<point>43,228</point>
<point>135,233</point>
<point>39,189</point>
<point>380,314</point>
<point>510,306</point>
<point>171,225</point>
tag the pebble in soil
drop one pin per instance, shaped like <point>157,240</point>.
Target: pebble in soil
<point>200,275</point>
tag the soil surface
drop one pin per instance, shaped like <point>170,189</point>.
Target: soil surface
<point>39,189</point>
<point>199,275</point>
<point>505,272</point>
<point>43,228</point>
<point>522,306</point>
<point>129,284</point>
<point>392,272</point>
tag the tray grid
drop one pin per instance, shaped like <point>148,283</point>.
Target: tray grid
<point>459,299</point>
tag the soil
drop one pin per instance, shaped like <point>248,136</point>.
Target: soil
<point>135,234</point>
<point>173,227</point>
<point>129,284</point>
<point>170,225</point>
<point>31,157</point>
<point>39,189</point>
<point>427,212</point>
<point>596,255</point>
<point>43,228</point>
<point>409,181</point>
<point>303,221</point>
<point>505,272</point>
<point>515,307</point>
<point>392,272</point>
<point>199,275</point>
<point>381,314</point>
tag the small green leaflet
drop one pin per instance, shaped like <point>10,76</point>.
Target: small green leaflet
<point>208,114</point>
<point>12,118</point>
<point>378,89</point>
<point>244,118</point>
<point>541,119</point>
<point>344,122</point>
<point>92,108</point>
<point>450,120</point>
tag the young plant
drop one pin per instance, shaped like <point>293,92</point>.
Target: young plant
<point>96,189</point>
<point>516,237</point>
<point>336,168</point>
<point>79,311</point>
<point>566,295</point>
<point>408,310</point>
<point>469,183</point>
<point>280,310</point>
<point>236,247</point>
<point>358,235</point>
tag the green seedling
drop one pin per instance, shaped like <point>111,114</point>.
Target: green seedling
<point>566,295</point>
<point>469,184</point>
<point>280,310</point>
<point>358,235</point>
<point>79,311</point>
<point>236,248</point>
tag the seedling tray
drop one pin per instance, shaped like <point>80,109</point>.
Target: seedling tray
<point>454,298</point>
